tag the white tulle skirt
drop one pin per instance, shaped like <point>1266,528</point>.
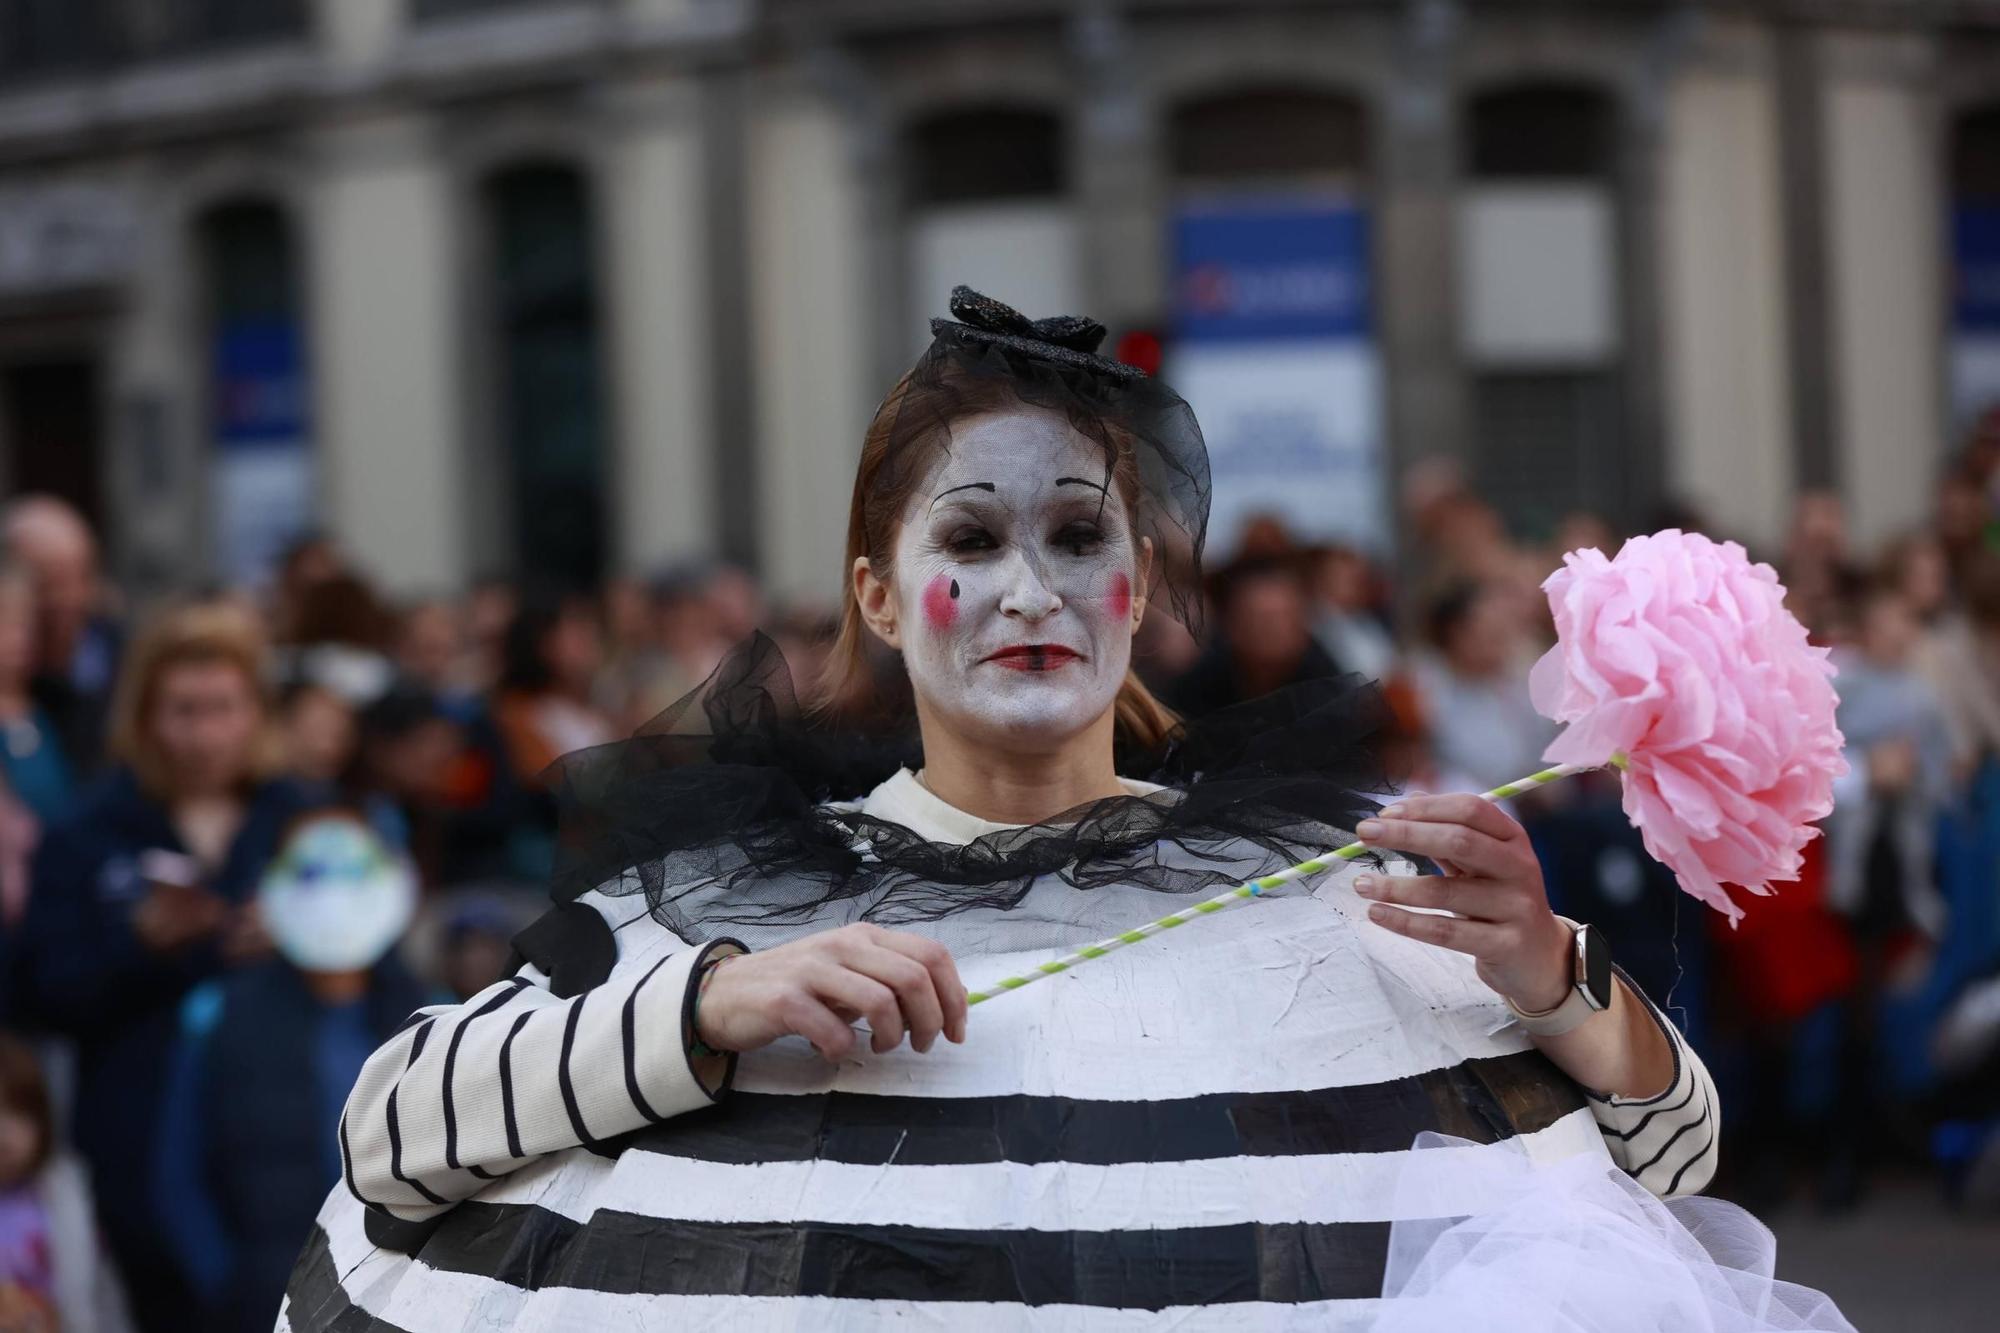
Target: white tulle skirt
<point>1581,1246</point>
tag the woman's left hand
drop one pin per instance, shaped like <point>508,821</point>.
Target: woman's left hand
<point>1492,885</point>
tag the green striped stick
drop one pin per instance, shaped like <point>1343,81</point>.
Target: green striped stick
<point>1243,893</point>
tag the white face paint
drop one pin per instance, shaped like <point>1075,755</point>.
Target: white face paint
<point>1014,573</point>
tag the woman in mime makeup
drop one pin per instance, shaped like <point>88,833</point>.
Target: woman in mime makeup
<point>735,1082</point>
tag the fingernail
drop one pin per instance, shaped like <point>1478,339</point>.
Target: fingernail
<point>1390,812</point>
<point>1365,885</point>
<point>1379,912</point>
<point>1370,828</point>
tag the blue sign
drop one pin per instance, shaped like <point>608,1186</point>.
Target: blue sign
<point>260,384</point>
<point>1256,269</point>
<point>1975,251</point>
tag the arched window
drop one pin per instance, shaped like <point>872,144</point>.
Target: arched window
<point>1539,281</point>
<point>1975,265</point>
<point>549,377</point>
<point>987,195</point>
<point>262,473</point>
<point>1271,332</point>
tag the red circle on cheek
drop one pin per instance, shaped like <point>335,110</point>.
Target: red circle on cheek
<point>1119,599</point>
<point>940,610</point>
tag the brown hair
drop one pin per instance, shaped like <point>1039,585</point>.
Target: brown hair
<point>202,633</point>
<point>1142,720</point>
<point>23,1089</point>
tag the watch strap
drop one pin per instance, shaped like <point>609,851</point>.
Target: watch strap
<point>1571,1014</point>
<point>1575,1009</point>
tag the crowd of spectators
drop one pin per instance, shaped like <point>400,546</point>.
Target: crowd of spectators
<point>163,1049</point>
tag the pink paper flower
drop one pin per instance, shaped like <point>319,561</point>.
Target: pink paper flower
<point>1680,655</point>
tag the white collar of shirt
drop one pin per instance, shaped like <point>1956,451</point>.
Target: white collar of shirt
<point>905,800</point>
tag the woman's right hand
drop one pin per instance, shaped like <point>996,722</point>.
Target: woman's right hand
<point>818,986</point>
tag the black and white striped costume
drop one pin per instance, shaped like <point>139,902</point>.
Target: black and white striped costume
<point>1210,1130</point>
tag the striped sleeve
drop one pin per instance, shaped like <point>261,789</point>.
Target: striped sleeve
<point>1668,1143</point>
<point>466,1093</point>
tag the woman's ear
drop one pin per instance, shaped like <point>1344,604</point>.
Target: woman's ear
<point>1142,583</point>
<point>877,602</point>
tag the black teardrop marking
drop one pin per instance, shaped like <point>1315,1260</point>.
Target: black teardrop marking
<point>954,590</point>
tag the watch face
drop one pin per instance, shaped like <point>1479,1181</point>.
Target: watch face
<point>1594,966</point>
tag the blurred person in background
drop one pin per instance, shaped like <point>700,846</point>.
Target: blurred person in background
<point>545,706</point>
<point>1822,584</point>
<point>1264,636</point>
<point>689,636</point>
<point>736,603</point>
<point>479,801</point>
<point>1473,682</point>
<point>311,559</point>
<point>79,642</point>
<point>248,1130</point>
<point>412,777</point>
<point>490,607</point>
<point>54,1274</point>
<point>1347,618</point>
<point>1962,662</point>
<point>146,890</point>
<point>1882,864</point>
<point>1961,659</point>
<point>1964,514</point>
<point>1581,530</point>
<point>629,654</point>
<point>1915,566</point>
<point>318,725</point>
<point>36,786</point>
<point>340,641</point>
<point>1162,650</point>
<point>1882,844</point>
<point>429,651</point>
<point>806,638</point>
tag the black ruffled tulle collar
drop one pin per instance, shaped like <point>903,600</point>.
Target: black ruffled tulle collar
<point>733,807</point>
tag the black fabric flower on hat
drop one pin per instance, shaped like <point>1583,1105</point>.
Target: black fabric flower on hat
<point>1070,339</point>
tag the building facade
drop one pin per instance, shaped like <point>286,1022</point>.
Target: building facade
<point>573,286</point>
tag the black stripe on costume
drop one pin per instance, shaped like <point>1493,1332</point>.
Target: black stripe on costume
<point>507,1086</point>
<point>1483,1100</point>
<point>317,1302</point>
<point>1629,1134</point>
<point>628,1035</point>
<point>395,1130</point>
<point>563,1082</point>
<point>1706,1149</point>
<point>1640,1171</point>
<point>627,1254</point>
<point>451,1061</point>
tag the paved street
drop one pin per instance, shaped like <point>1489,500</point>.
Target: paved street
<point>1899,1263</point>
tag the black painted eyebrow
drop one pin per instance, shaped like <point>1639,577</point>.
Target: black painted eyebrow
<point>1080,481</point>
<point>969,486</point>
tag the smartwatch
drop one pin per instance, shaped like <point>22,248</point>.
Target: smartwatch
<point>1590,986</point>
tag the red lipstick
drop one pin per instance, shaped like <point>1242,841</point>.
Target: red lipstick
<point>1035,657</point>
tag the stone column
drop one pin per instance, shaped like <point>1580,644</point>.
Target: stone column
<point>810,331</point>
<point>661,361</point>
<point>1883,244</point>
<point>1416,309</point>
<point>387,354</point>
<point>1728,409</point>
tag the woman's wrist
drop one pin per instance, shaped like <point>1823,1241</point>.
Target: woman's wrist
<point>1552,982</point>
<point>699,1045</point>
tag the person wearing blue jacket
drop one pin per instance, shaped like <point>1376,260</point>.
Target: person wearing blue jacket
<point>145,891</point>
<point>249,1132</point>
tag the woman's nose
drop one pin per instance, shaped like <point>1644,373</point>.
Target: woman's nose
<point>1028,595</point>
